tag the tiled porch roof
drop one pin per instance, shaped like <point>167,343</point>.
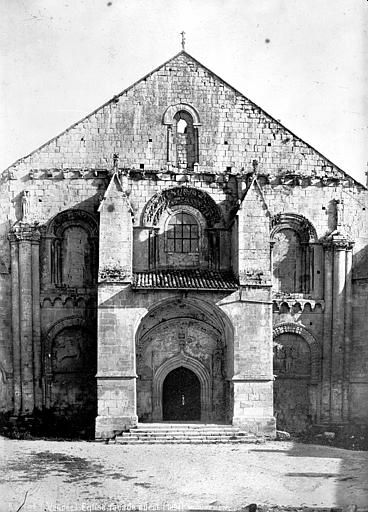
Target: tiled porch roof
<point>185,279</point>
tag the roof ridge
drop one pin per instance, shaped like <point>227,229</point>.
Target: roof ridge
<point>186,54</point>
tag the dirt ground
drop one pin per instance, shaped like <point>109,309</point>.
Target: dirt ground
<point>89,476</point>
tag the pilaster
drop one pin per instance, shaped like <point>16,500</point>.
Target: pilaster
<point>327,334</point>
<point>337,328</point>
<point>24,239</point>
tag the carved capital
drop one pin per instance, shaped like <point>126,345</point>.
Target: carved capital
<point>23,232</point>
<point>343,245</point>
<point>115,274</point>
<point>338,241</point>
<point>255,277</point>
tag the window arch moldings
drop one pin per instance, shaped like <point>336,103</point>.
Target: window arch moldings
<point>314,346</point>
<point>172,110</point>
<point>181,196</point>
<point>69,218</point>
<point>297,223</point>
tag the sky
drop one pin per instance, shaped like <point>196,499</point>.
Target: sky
<point>303,61</point>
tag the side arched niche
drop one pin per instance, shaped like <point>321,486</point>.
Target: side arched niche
<point>71,250</point>
<point>70,365</point>
<point>297,256</point>
<point>297,369</point>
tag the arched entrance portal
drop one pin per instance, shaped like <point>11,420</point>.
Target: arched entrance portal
<point>181,396</point>
<point>191,335</point>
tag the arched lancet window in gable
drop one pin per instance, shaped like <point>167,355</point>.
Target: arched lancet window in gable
<point>292,239</point>
<point>73,249</point>
<point>182,123</point>
<point>184,140</point>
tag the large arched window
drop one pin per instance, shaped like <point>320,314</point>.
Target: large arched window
<point>182,234</point>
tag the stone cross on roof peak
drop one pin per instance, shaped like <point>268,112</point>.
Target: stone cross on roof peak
<point>182,40</point>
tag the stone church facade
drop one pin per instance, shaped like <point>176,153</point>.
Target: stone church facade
<point>179,255</point>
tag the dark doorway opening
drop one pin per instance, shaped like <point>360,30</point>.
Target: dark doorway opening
<point>181,396</point>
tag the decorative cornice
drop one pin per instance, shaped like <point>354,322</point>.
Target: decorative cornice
<point>299,303</point>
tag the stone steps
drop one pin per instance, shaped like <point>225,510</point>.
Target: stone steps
<point>163,433</point>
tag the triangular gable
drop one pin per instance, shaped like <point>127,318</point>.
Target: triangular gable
<point>277,126</point>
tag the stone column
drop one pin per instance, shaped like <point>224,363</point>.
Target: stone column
<point>15,325</point>
<point>348,329</point>
<point>169,151</point>
<point>36,321</point>
<point>24,240</point>
<point>338,326</point>
<point>25,322</point>
<point>327,332</point>
<point>317,269</point>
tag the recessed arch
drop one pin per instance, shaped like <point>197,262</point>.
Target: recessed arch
<point>72,244</point>
<point>314,345</point>
<point>207,311</point>
<point>293,240</point>
<point>69,368</point>
<point>298,223</point>
<point>197,368</point>
<point>54,330</point>
<point>72,217</point>
<point>184,330</point>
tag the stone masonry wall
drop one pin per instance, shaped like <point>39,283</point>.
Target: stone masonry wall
<point>236,140</point>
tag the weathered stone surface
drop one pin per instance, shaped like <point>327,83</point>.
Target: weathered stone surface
<point>182,172</point>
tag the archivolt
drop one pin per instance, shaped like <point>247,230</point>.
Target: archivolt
<point>194,197</point>
<point>196,367</point>
<point>296,222</point>
<point>314,345</point>
<point>173,109</point>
